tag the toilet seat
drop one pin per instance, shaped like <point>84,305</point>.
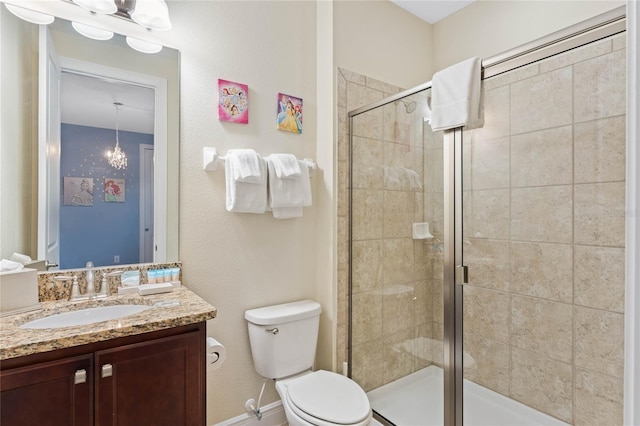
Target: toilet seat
<point>325,398</point>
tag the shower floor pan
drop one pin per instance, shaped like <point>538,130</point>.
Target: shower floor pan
<point>417,400</point>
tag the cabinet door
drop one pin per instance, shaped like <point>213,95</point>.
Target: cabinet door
<point>51,393</point>
<point>159,382</point>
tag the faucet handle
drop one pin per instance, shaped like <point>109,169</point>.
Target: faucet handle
<point>105,290</point>
<point>63,278</point>
<point>104,287</point>
<point>75,289</point>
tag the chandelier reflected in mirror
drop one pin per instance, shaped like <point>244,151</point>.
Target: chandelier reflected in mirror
<point>117,158</point>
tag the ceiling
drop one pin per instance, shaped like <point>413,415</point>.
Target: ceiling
<point>88,101</point>
<point>432,11</point>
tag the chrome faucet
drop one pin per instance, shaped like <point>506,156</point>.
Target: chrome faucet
<point>90,292</point>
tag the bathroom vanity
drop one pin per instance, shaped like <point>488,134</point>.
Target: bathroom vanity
<point>144,368</point>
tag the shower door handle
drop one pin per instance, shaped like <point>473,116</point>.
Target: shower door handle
<point>462,275</point>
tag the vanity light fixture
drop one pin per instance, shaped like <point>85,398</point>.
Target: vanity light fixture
<point>92,32</point>
<point>30,15</point>
<point>98,6</point>
<point>117,159</point>
<point>143,46</point>
<point>153,15</point>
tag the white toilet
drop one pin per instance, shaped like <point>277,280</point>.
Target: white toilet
<point>283,343</point>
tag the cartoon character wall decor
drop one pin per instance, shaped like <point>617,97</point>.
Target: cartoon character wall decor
<point>289,113</point>
<point>78,191</point>
<point>233,101</point>
<point>114,190</point>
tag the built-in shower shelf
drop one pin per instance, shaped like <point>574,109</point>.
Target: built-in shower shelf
<point>421,231</point>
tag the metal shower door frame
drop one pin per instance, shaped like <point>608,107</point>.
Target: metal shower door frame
<point>453,279</point>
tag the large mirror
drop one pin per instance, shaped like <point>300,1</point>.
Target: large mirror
<point>66,203</point>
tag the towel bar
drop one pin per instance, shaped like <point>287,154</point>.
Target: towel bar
<point>211,159</point>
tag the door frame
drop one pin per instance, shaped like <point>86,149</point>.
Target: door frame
<point>144,182</point>
<point>49,140</point>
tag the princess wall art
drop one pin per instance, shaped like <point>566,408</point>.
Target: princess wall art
<point>233,102</point>
<point>289,112</point>
<point>78,191</point>
<point>114,190</point>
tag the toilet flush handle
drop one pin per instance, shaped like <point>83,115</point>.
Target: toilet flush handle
<point>272,330</point>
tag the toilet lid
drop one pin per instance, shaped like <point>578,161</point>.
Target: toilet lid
<point>329,396</point>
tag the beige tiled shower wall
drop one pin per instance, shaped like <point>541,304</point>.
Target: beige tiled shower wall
<point>392,291</point>
<point>544,212</point>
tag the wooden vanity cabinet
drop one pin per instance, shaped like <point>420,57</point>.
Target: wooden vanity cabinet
<point>50,393</point>
<point>154,378</point>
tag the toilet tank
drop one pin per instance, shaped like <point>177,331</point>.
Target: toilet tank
<point>284,337</point>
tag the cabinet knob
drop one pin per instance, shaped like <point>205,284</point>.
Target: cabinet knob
<point>80,377</point>
<point>107,370</point>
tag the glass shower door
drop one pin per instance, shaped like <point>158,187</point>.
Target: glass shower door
<point>396,275</point>
<point>543,239</point>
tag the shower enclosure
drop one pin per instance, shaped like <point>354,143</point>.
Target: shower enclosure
<point>486,266</point>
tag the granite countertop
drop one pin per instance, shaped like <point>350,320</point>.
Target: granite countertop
<point>177,308</point>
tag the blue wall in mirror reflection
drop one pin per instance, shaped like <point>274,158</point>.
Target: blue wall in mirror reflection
<point>100,227</point>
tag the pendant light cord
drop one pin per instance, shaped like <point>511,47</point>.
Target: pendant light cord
<point>117,104</point>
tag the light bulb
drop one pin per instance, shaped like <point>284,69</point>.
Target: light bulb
<point>92,32</point>
<point>143,46</point>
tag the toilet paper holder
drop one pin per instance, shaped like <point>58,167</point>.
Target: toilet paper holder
<point>216,353</point>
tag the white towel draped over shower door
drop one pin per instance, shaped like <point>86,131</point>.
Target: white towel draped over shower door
<point>455,95</point>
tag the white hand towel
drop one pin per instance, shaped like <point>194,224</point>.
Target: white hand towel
<point>455,95</point>
<point>246,165</point>
<point>285,165</point>
<point>243,197</point>
<point>287,212</point>
<point>289,192</point>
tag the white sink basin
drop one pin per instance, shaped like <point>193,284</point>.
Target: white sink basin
<point>85,316</point>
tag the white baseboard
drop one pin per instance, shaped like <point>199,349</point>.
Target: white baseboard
<point>272,415</point>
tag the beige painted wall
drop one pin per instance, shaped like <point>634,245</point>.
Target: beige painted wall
<point>242,261</point>
<point>489,27</point>
<point>382,41</point>
<point>326,218</point>
<point>18,85</point>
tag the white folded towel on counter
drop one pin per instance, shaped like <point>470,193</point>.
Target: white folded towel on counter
<point>246,165</point>
<point>285,165</point>
<point>287,196</point>
<point>455,95</point>
<point>242,196</point>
